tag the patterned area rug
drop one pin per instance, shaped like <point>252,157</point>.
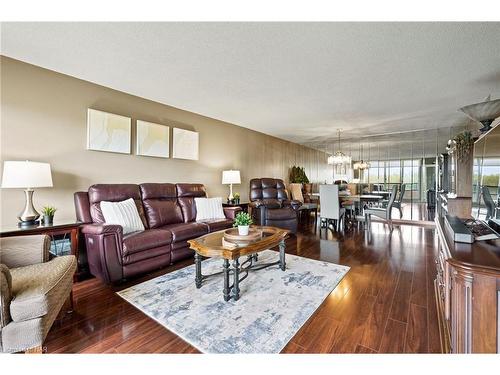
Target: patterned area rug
<point>273,304</point>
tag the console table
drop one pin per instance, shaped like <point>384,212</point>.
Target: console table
<point>468,294</point>
<point>70,229</point>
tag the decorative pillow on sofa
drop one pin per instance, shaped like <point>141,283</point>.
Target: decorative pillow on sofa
<point>209,208</point>
<point>122,213</point>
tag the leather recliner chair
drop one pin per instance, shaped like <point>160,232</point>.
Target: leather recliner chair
<point>270,204</point>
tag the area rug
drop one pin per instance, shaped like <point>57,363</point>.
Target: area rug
<point>273,304</point>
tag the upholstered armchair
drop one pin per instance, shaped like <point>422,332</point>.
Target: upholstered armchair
<point>270,204</point>
<point>33,291</point>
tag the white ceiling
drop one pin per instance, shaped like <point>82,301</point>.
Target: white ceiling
<point>296,81</point>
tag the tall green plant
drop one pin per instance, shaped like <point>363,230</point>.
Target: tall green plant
<point>298,175</point>
<point>464,144</point>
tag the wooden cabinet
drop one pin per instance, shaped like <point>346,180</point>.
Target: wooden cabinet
<point>467,294</point>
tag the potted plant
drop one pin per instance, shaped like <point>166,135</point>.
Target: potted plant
<point>464,144</point>
<point>298,176</point>
<point>243,220</point>
<point>236,198</point>
<point>48,214</point>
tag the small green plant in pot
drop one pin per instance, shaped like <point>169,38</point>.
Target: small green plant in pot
<point>243,221</point>
<point>48,214</point>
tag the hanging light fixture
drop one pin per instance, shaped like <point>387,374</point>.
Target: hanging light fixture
<point>485,112</point>
<point>339,157</point>
<point>361,164</point>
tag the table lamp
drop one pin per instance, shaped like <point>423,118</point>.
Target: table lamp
<point>229,178</point>
<point>26,175</point>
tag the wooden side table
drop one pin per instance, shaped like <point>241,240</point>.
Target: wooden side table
<point>243,206</point>
<point>52,230</point>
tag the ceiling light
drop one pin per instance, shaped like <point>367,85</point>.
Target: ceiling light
<point>485,112</point>
<point>339,157</point>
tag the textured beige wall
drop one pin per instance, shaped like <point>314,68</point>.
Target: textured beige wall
<point>43,118</point>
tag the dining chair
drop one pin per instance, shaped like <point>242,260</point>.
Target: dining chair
<point>330,205</point>
<point>296,192</point>
<point>383,213</point>
<point>489,202</point>
<point>397,202</point>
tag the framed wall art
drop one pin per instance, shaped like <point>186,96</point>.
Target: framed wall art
<point>185,144</point>
<point>152,139</point>
<point>108,132</point>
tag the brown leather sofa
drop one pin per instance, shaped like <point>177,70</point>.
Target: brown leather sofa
<point>168,212</point>
<point>270,204</point>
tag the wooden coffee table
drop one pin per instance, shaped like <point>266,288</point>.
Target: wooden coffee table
<point>211,246</point>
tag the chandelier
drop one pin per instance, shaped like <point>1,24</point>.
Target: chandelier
<point>362,165</point>
<point>339,157</point>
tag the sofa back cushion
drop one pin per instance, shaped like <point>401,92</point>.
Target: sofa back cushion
<point>185,195</point>
<point>114,193</point>
<point>160,204</point>
<point>268,189</point>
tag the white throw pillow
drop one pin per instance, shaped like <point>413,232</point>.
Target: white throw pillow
<point>209,208</point>
<point>122,213</point>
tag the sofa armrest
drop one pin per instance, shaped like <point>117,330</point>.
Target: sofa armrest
<point>23,251</point>
<point>231,212</point>
<point>104,245</point>
<point>97,229</point>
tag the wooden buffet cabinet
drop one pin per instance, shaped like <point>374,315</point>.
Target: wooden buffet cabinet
<point>468,294</point>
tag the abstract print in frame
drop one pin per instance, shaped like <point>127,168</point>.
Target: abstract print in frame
<point>108,132</point>
<point>185,144</point>
<point>152,139</point>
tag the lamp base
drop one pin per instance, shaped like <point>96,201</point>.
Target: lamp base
<point>28,223</point>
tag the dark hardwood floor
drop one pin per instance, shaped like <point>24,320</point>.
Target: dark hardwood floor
<point>385,304</point>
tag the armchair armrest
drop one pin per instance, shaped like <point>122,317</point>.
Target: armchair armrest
<point>292,203</point>
<point>5,295</point>
<point>23,251</point>
<point>256,203</point>
<point>231,212</point>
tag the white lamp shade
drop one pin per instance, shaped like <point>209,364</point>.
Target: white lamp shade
<point>231,177</point>
<point>26,174</point>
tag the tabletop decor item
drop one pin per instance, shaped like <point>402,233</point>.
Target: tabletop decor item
<point>236,198</point>
<point>233,238</point>
<point>243,221</point>
<point>48,214</point>
<point>26,175</point>
<point>229,178</point>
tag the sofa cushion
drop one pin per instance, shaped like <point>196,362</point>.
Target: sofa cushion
<point>160,204</point>
<point>186,194</point>
<point>209,208</point>
<point>148,239</point>
<point>186,231</point>
<point>122,213</point>
<point>217,224</point>
<point>113,193</point>
<point>36,289</point>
